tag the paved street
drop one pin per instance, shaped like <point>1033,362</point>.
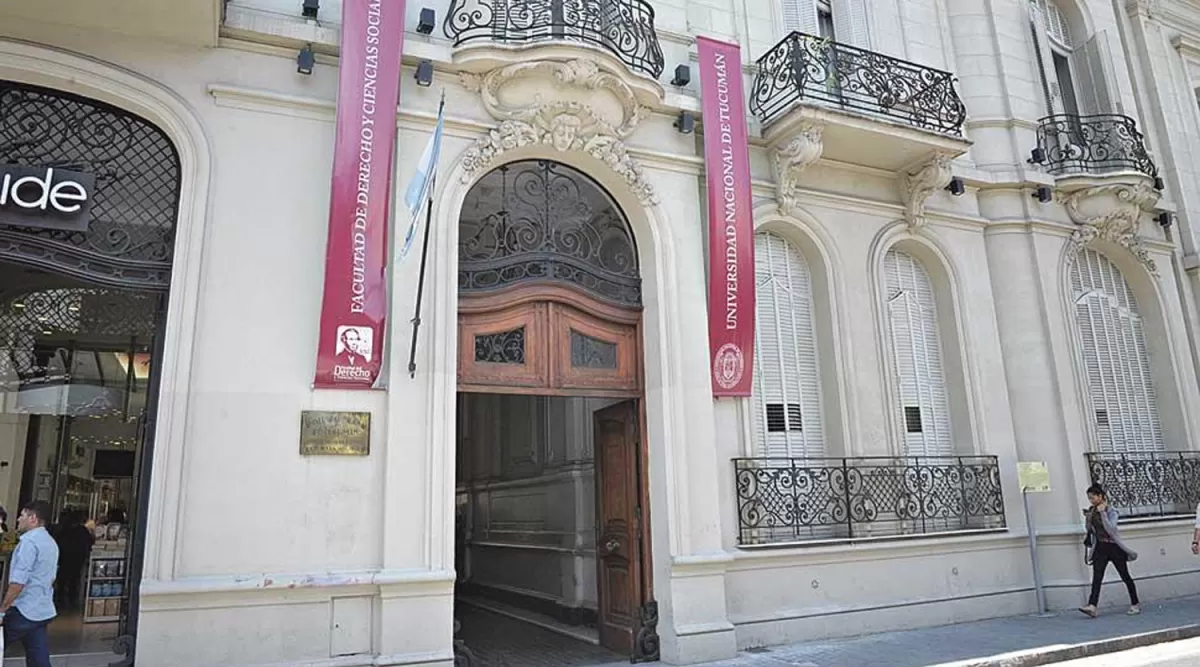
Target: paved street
<point>1173,654</point>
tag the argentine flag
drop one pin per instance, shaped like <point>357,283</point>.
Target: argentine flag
<point>419,187</point>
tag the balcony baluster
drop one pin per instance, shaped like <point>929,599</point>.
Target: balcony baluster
<point>804,67</point>
<point>1093,145</point>
<point>796,500</point>
<point>1148,484</point>
<point>623,27</point>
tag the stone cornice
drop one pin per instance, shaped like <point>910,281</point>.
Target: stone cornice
<point>1149,8</point>
<point>1179,13</point>
<point>1187,46</point>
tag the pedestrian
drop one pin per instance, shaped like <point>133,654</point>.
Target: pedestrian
<point>75,542</point>
<point>1196,533</point>
<point>1107,547</point>
<point>28,606</point>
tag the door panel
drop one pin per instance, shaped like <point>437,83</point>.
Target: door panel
<point>618,547</point>
<point>591,353</point>
<point>548,341</point>
<point>505,348</point>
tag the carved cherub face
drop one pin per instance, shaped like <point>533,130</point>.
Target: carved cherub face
<point>563,130</point>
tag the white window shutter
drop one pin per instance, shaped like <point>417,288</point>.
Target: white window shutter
<point>850,22</point>
<point>1112,343</point>
<point>1056,24</point>
<point>800,15</point>
<point>923,403</point>
<point>1043,59</point>
<point>1093,63</point>
<point>788,418</point>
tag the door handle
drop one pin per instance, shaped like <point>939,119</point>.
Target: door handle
<point>612,544</point>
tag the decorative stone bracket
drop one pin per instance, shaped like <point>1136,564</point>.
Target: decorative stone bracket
<point>790,160</point>
<point>565,124</point>
<point>1111,213</point>
<point>920,185</point>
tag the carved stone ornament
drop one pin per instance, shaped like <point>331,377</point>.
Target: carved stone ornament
<point>1111,213</point>
<point>579,74</point>
<point>918,187</point>
<point>1146,7</point>
<point>790,160</point>
<point>564,124</point>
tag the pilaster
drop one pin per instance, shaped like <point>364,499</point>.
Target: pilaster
<point>1022,291</point>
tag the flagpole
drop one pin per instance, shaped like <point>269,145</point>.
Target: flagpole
<point>416,320</point>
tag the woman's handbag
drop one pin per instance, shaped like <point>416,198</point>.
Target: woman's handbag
<point>1089,543</point>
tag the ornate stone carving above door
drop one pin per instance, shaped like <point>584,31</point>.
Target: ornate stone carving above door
<point>580,87</point>
<point>568,106</point>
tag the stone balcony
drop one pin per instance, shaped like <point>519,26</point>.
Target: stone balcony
<point>1104,176</point>
<point>864,108</point>
<point>488,34</point>
<point>820,99</point>
<point>1093,147</point>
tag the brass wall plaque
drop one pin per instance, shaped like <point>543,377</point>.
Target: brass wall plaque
<point>335,433</point>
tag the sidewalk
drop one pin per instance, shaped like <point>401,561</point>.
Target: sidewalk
<point>85,660</point>
<point>1022,641</point>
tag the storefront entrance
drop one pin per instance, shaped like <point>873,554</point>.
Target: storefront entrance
<point>553,552</point>
<point>88,205</point>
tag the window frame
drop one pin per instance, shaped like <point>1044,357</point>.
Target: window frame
<point>1114,415</point>
<point>929,399</point>
<point>811,432</point>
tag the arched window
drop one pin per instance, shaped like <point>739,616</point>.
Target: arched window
<point>1074,70</point>
<point>787,380</point>
<point>1112,343</point>
<point>1056,25</point>
<point>916,356</point>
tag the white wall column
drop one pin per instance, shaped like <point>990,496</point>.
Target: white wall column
<point>1021,298</point>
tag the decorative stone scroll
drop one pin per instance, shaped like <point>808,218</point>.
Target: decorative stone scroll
<point>1111,213</point>
<point>920,185</point>
<point>564,124</point>
<point>791,159</point>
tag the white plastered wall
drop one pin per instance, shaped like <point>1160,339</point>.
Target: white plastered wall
<point>246,538</point>
<point>266,550</point>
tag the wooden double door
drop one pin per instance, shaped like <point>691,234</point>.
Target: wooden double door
<point>556,342</point>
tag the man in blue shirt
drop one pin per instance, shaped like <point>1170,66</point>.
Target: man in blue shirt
<point>28,606</point>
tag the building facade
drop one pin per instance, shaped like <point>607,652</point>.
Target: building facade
<point>975,244</point>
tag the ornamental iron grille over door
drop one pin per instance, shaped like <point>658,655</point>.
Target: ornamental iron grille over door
<point>131,233</point>
<point>539,221</point>
<point>105,283</point>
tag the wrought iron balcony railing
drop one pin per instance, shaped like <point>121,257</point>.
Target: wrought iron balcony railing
<point>785,500</point>
<point>1148,484</point>
<point>623,27</point>
<point>804,67</point>
<point>1093,145</point>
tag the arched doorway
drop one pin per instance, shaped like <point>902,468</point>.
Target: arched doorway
<point>553,525</point>
<point>83,286</point>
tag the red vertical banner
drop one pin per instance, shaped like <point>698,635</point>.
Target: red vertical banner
<point>354,305</point>
<point>730,218</point>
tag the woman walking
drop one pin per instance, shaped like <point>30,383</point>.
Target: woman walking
<point>1107,547</point>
